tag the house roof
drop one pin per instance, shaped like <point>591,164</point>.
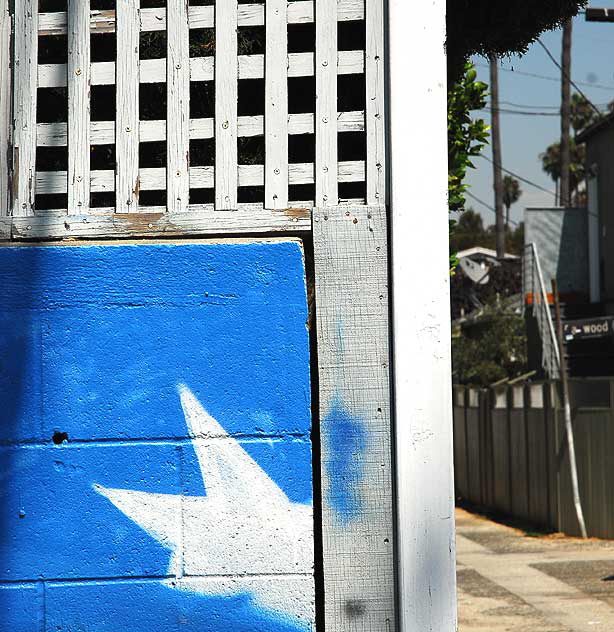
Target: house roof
<point>485,252</point>
<point>595,128</point>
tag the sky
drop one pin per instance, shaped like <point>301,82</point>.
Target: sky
<point>524,137</point>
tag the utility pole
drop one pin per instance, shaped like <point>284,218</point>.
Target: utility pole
<point>496,156</point>
<point>566,116</point>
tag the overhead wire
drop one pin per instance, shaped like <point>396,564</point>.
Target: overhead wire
<point>515,175</point>
<point>490,208</point>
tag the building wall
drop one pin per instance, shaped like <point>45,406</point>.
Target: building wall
<point>155,438</point>
<point>562,244</point>
<point>599,158</point>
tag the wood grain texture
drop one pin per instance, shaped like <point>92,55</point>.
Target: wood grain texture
<point>326,59</point>
<point>24,106</point>
<point>178,107</point>
<point>351,276</point>
<point>350,62</point>
<point>103,21</point>
<point>5,107</point>
<point>127,106</point>
<point>103,132</point>
<point>154,178</point>
<point>375,110</point>
<point>276,105</point>
<point>226,97</point>
<point>198,220</point>
<point>79,80</point>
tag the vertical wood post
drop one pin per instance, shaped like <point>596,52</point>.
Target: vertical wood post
<point>24,106</point>
<point>327,190</point>
<point>127,103</point>
<point>421,316</point>
<point>375,115</point>
<point>226,97</point>
<point>178,106</point>
<point>79,80</point>
<point>5,107</point>
<point>276,108</point>
<point>350,248</point>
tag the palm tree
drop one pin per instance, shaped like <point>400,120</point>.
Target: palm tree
<point>551,164</point>
<point>511,195</point>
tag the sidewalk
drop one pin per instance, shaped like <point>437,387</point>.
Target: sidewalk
<point>511,581</point>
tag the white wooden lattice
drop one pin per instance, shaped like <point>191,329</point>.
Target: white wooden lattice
<point>125,178</point>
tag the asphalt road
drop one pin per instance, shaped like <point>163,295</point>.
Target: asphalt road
<point>509,579</point>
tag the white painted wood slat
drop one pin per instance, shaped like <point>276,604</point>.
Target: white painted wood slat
<point>276,105</point>
<point>5,106</point>
<point>127,106</point>
<point>178,107</point>
<point>103,132</point>
<point>154,19</point>
<point>24,106</point>
<point>79,80</point>
<point>351,279</point>
<point>375,112</point>
<point>226,97</point>
<point>326,103</point>
<point>154,178</point>
<point>349,62</point>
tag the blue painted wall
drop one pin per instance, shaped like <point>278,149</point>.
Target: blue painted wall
<point>94,343</point>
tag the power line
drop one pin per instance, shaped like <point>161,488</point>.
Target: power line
<point>529,106</point>
<point>515,175</point>
<point>557,79</point>
<point>573,83</point>
<point>490,208</point>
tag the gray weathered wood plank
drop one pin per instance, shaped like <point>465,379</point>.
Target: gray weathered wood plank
<point>226,97</point>
<point>375,110</point>
<point>198,220</point>
<point>178,107</point>
<point>351,277</point>
<point>5,106</point>
<point>127,107</point>
<point>276,105</point>
<point>79,80</point>
<point>326,57</point>
<point>24,106</point>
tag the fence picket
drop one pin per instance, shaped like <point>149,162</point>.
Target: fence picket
<point>79,79</point>
<point>374,115</point>
<point>327,191</point>
<point>26,58</point>
<point>127,102</point>
<point>226,97</point>
<point>5,105</point>
<point>276,108</point>
<point>178,100</point>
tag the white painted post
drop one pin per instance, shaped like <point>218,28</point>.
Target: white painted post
<point>375,119</point>
<point>5,105</point>
<point>326,103</point>
<point>79,80</point>
<point>276,108</point>
<point>421,316</point>
<point>178,106</point>
<point>226,97</point>
<point>24,106</point>
<point>127,102</point>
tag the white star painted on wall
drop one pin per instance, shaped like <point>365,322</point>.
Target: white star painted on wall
<point>244,536</point>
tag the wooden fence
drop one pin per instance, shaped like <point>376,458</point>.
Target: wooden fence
<point>276,184</point>
<point>511,453</point>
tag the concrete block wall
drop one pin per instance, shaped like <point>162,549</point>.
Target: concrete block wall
<point>155,438</point>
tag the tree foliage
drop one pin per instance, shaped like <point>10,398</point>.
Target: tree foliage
<point>500,27</point>
<point>511,195</point>
<point>492,348</point>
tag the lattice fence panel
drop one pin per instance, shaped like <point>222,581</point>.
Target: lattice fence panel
<point>165,106</point>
